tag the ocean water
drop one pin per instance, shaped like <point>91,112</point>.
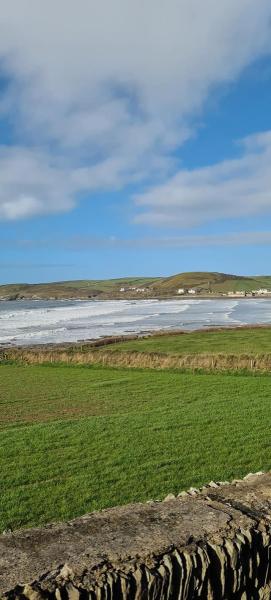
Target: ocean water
<point>37,322</point>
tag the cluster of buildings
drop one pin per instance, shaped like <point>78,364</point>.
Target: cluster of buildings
<point>260,292</point>
<point>231,294</point>
<point>195,291</point>
<point>134,289</point>
<point>183,291</point>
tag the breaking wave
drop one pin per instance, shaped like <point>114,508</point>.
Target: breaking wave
<point>28,322</point>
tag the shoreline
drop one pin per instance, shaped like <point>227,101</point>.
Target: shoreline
<point>103,340</point>
<point>96,343</point>
<point>140,298</point>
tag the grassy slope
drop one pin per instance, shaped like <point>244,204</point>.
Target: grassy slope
<point>73,289</point>
<point>215,282</point>
<point>193,279</point>
<point>109,284</point>
<point>77,439</point>
<point>239,341</point>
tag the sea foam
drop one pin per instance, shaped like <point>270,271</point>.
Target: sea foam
<point>27,322</point>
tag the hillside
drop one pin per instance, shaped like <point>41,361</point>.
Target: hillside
<point>207,282</point>
<point>72,289</point>
<point>203,282</point>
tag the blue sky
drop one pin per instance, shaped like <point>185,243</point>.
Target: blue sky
<point>134,142</point>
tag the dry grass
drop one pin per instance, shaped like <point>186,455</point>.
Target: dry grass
<point>225,349</point>
<point>151,360</point>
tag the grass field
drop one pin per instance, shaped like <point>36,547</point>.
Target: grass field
<point>252,341</point>
<point>75,439</point>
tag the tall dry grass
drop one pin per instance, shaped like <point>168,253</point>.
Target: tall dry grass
<point>208,362</point>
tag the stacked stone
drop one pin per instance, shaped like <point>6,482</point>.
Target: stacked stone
<point>212,543</point>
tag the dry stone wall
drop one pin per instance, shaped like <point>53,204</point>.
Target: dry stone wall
<point>213,543</point>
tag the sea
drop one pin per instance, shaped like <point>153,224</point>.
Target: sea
<point>28,322</point>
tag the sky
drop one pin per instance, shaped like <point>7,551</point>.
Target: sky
<point>135,138</point>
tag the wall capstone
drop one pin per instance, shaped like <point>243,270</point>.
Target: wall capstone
<point>213,544</point>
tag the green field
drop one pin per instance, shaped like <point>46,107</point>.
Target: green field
<point>75,439</point>
<point>252,341</point>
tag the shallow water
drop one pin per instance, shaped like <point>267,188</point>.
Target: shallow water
<point>36,321</point>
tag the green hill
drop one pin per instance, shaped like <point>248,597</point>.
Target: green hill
<point>105,285</point>
<point>203,282</point>
<point>197,279</point>
<point>87,288</point>
<point>212,282</point>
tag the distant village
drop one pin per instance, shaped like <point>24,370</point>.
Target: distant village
<point>201,291</point>
<point>134,289</point>
<point>260,292</point>
<point>231,294</point>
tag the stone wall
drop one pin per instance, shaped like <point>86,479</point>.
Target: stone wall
<point>211,544</point>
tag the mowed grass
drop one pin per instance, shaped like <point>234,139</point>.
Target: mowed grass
<point>252,341</point>
<point>76,439</point>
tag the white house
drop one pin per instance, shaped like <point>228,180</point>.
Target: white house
<point>192,291</point>
<point>181,291</point>
<point>261,292</point>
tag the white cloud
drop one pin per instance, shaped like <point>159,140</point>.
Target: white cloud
<point>33,182</point>
<point>230,189</point>
<point>30,185</point>
<point>106,90</point>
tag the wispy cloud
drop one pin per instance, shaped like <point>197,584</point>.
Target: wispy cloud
<point>85,243</point>
<point>185,241</point>
<point>101,93</point>
<point>229,189</point>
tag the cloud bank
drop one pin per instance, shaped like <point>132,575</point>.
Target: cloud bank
<point>101,94</point>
